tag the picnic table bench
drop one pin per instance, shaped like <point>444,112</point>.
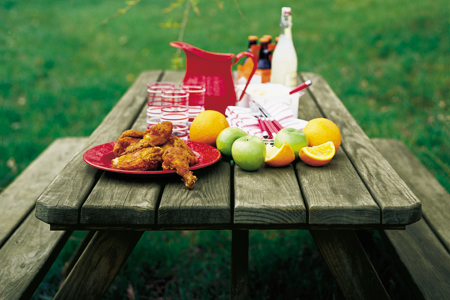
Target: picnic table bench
<point>358,190</point>
<point>27,246</point>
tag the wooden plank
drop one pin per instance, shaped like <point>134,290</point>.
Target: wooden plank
<point>268,196</point>
<point>397,203</point>
<point>239,265</point>
<point>349,264</point>
<point>99,265</point>
<point>207,203</point>
<point>19,198</point>
<point>334,193</point>
<point>434,197</point>
<point>122,200</point>
<point>61,201</point>
<point>27,257</point>
<point>68,266</point>
<point>422,258</point>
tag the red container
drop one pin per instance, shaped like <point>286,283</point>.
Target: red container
<point>213,70</point>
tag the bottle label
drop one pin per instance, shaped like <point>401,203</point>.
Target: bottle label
<point>290,79</point>
<point>264,74</point>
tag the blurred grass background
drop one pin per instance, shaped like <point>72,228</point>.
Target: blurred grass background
<point>61,72</point>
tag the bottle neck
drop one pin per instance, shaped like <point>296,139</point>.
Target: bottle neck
<point>286,26</point>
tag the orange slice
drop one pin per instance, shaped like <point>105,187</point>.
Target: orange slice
<point>318,155</point>
<point>278,157</point>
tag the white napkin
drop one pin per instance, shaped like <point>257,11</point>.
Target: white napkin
<point>242,118</point>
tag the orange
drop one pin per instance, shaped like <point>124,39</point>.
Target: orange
<point>321,130</point>
<point>318,155</point>
<point>206,126</point>
<point>278,157</point>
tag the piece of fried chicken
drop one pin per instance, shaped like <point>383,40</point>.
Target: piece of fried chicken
<point>175,141</point>
<point>178,158</point>
<point>146,159</point>
<point>127,138</point>
<point>156,135</point>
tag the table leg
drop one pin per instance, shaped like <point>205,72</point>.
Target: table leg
<point>68,266</point>
<point>349,264</point>
<point>99,264</point>
<point>239,265</point>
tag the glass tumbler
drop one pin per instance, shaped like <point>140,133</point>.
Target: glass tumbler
<point>175,108</point>
<point>196,99</point>
<point>154,94</point>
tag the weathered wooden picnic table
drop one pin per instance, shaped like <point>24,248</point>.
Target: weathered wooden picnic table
<point>358,189</point>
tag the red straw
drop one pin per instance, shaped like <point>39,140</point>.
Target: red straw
<point>302,86</point>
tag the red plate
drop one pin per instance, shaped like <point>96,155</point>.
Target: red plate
<point>100,157</point>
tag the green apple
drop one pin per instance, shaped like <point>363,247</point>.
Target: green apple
<point>294,137</point>
<point>226,138</point>
<point>249,152</point>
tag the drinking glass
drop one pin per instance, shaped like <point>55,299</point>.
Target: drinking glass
<point>175,108</point>
<point>196,98</point>
<point>154,93</point>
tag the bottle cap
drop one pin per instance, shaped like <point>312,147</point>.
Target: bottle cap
<point>264,40</point>
<point>252,38</point>
<point>286,10</point>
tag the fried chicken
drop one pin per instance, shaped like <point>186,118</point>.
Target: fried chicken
<point>155,147</point>
<point>147,159</point>
<point>175,141</point>
<point>127,138</point>
<point>156,135</point>
<point>123,144</point>
<point>178,158</point>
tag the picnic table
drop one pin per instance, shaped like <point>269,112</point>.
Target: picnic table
<point>358,189</point>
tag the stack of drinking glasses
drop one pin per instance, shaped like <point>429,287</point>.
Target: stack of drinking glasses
<point>179,105</point>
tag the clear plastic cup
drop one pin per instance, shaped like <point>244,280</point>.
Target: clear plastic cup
<point>175,108</point>
<point>196,98</point>
<point>154,94</point>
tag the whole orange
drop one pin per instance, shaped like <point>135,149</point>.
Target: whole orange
<point>321,130</point>
<point>206,126</point>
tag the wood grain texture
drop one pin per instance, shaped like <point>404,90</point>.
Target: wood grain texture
<point>434,197</point>
<point>268,196</point>
<point>68,265</point>
<point>27,257</point>
<point>239,265</point>
<point>61,201</point>
<point>349,264</point>
<point>334,193</point>
<point>19,198</point>
<point>99,265</point>
<point>422,258</point>
<point>207,203</point>
<point>122,200</point>
<point>397,203</point>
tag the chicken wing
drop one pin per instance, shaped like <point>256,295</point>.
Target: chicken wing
<point>177,158</point>
<point>175,141</point>
<point>123,144</point>
<point>154,136</point>
<point>146,159</point>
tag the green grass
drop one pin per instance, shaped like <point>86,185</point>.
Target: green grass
<point>61,72</point>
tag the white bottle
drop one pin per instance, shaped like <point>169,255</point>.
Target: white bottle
<point>284,59</point>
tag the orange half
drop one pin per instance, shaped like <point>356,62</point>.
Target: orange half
<point>278,157</point>
<point>318,155</point>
